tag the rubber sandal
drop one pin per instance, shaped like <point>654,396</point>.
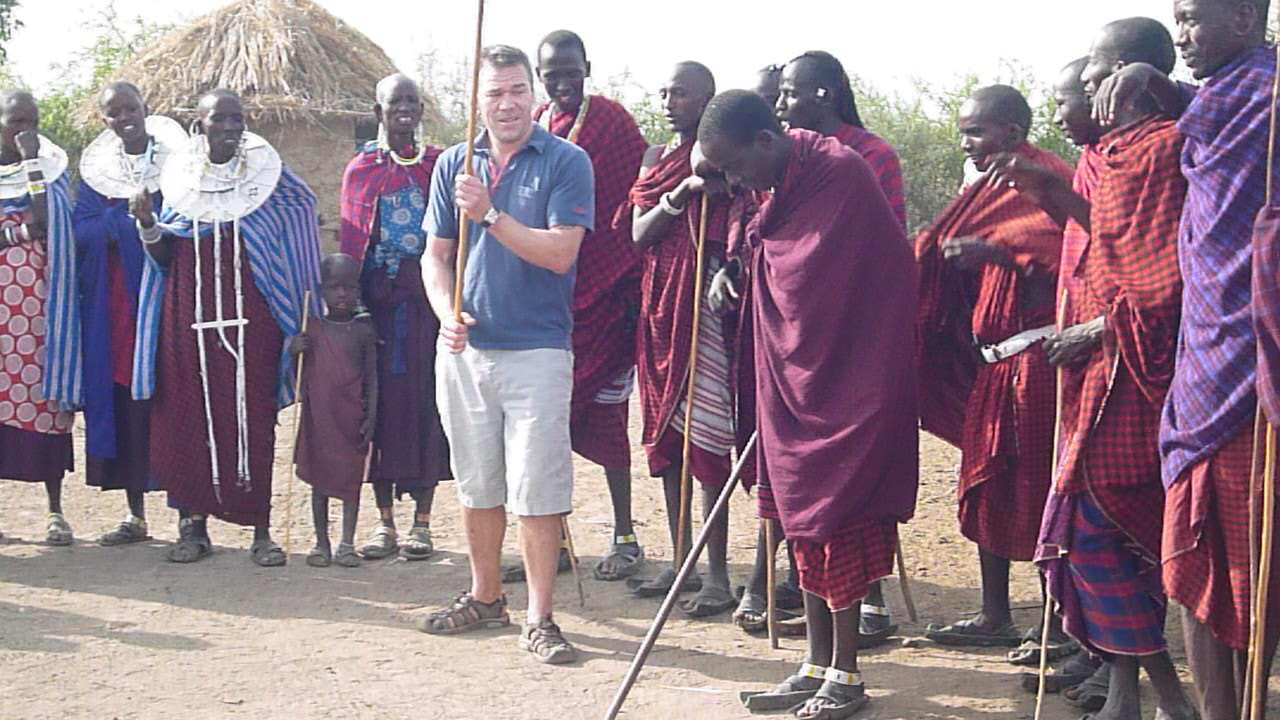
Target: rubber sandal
<point>786,694</point>
<point>626,557</point>
<point>266,553</point>
<point>1028,653</point>
<point>466,614</point>
<point>319,558</point>
<point>833,702</point>
<point>875,626</point>
<point>659,586</point>
<point>125,533</point>
<point>966,633</point>
<point>516,574</point>
<point>58,531</point>
<point>751,614</point>
<point>190,546</point>
<point>703,606</point>
<point>383,543</point>
<point>1091,694</point>
<point>418,544</point>
<point>346,556</point>
<point>1063,676</point>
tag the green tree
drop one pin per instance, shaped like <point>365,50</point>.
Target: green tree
<point>8,24</point>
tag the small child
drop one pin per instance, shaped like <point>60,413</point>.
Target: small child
<point>339,406</point>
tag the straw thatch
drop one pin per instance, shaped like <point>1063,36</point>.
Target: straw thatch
<point>289,60</point>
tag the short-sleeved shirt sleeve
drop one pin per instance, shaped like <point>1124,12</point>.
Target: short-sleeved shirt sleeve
<point>441,219</point>
<point>573,194</point>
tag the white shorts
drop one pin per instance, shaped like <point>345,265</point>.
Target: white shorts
<point>506,414</point>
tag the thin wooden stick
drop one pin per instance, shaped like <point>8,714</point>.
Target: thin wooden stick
<point>1258,646</point>
<point>686,480</point>
<point>1254,537</point>
<point>904,582</point>
<point>771,575</point>
<point>460,260</point>
<point>1048,601</point>
<point>297,414</point>
<point>573,558</point>
<point>686,569</point>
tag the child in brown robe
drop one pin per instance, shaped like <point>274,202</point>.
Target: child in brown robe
<point>339,406</point>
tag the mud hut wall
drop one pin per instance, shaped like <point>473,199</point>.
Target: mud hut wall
<point>318,151</point>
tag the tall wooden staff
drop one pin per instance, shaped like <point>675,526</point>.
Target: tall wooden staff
<point>1262,581</point>
<point>686,481</point>
<point>1048,602</point>
<point>297,413</point>
<point>460,261</point>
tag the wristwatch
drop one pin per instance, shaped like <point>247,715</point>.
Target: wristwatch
<point>490,217</point>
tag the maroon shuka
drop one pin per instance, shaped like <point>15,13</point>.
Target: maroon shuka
<point>665,325</point>
<point>606,289</point>
<point>179,451</point>
<point>834,297</point>
<point>331,454</point>
<point>410,448</point>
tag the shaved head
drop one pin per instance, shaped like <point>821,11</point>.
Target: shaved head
<point>211,98</point>
<point>388,85</point>
<point>1004,103</point>
<point>117,88</point>
<point>738,115</point>
<point>1137,39</point>
<point>563,39</point>
<point>334,264</point>
<point>1069,81</point>
<point>696,76</point>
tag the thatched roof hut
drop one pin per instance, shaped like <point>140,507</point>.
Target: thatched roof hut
<point>307,80</point>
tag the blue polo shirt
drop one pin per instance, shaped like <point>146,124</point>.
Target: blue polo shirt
<point>517,305</point>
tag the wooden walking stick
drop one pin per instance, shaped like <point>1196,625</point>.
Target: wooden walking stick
<point>1048,602</point>
<point>770,592</point>
<point>1262,581</point>
<point>573,558</point>
<point>904,582</point>
<point>686,569</point>
<point>460,260</point>
<point>686,480</point>
<point>1258,643</point>
<point>297,414</point>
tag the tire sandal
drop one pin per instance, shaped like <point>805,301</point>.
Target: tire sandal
<point>1091,694</point>
<point>1063,676</point>
<point>58,531</point>
<point>660,585</point>
<point>191,547</point>
<point>383,543</point>
<point>752,614</point>
<point>266,553</point>
<point>1028,653</point>
<point>466,614</point>
<point>346,556</point>
<point>625,554</point>
<point>875,626</point>
<point>319,557</point>
<point>967,633</point>
<point>787,694</point>
<point>418,545</point>
<point>516,574</point>
<point>837,699</point>
<point>127,532</point>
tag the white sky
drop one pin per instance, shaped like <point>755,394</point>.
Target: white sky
<point>886,43</point>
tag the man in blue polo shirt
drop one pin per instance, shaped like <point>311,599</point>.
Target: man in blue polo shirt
<point>505,382</point>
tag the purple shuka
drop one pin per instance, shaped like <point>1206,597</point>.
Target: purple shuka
<point>1224,161</point>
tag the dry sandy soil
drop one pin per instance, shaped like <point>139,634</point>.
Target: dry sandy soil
<point>121,633</point>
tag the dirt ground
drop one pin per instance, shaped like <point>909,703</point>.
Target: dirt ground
<point>121,633</point>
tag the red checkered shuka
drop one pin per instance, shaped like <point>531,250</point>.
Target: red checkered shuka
<point>884,162</point>
<point>1206,542</point>
<point>1128,273</point>
<point>841,569</point>
<point>999,414</point>
<point>607,286</point>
